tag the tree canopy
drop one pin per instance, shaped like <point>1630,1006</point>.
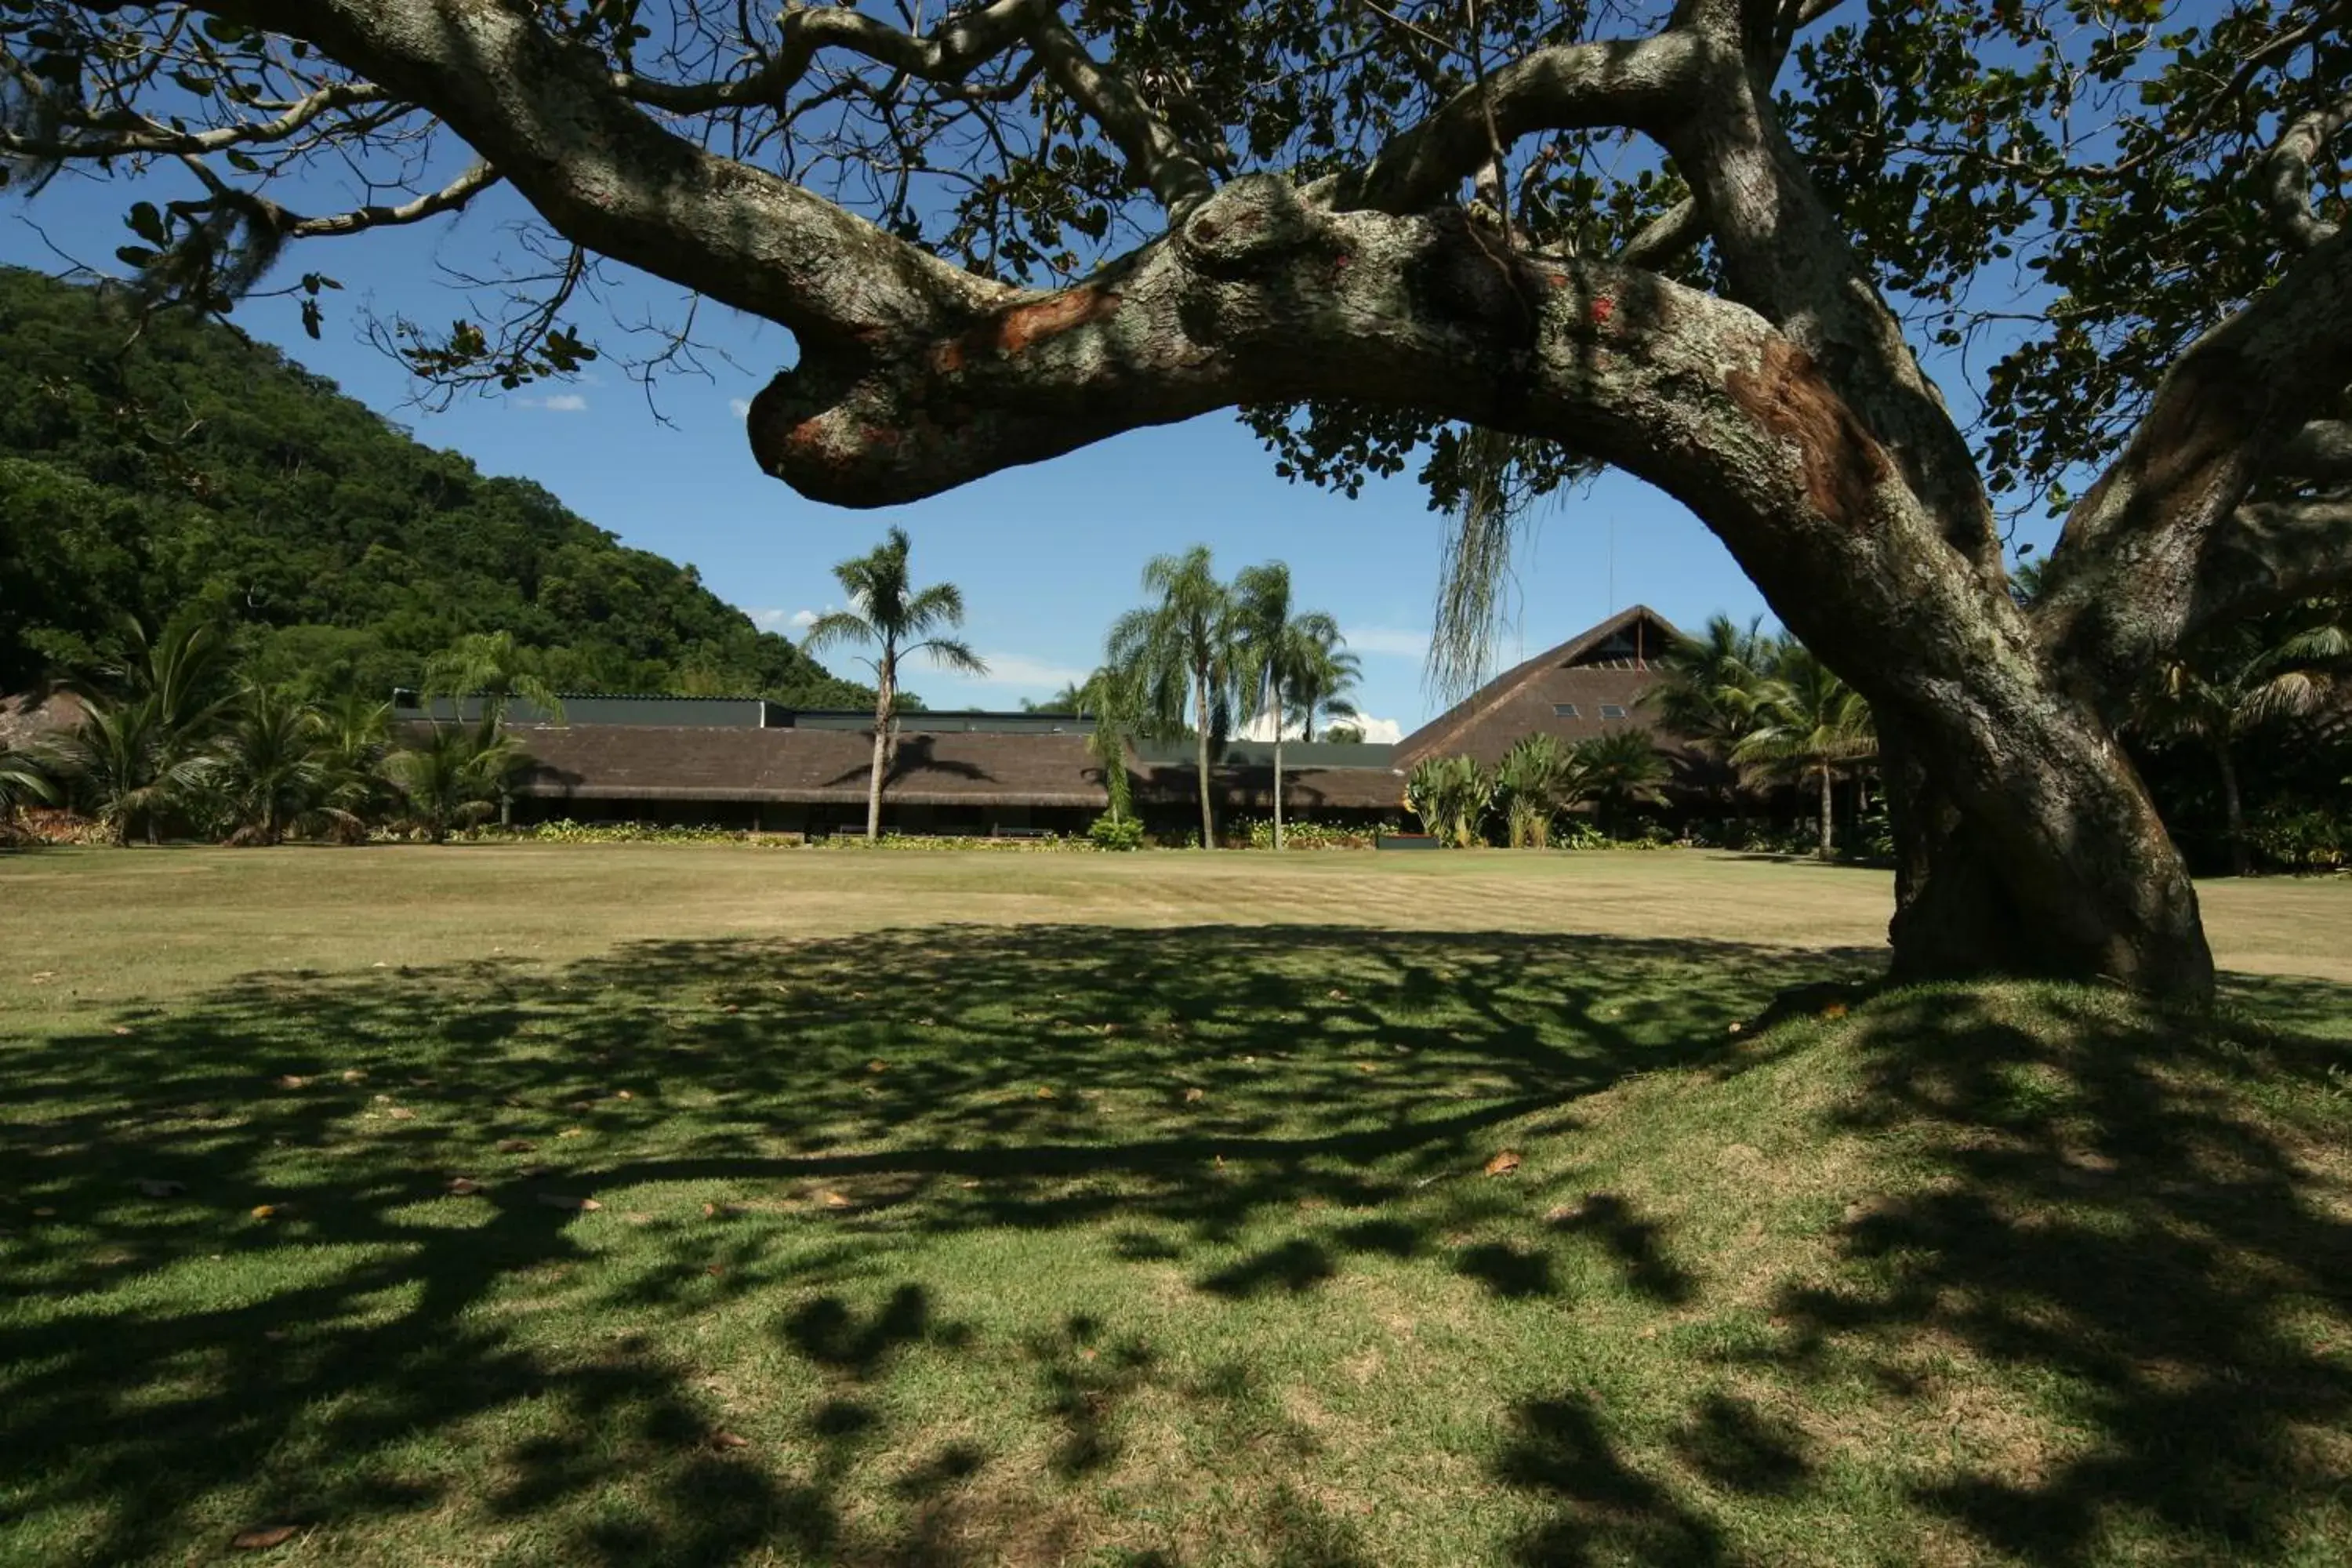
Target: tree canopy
<point>1703,241</point>
<point>194,467</point>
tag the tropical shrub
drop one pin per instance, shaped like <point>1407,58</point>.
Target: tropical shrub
<point>1259,835</point>
<point>2315,838</point>
<point>1110,832</point>
<point>1452,795</point>
<point>1539,779</point>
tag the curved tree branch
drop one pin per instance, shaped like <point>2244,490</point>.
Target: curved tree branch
<point>2271,555</point>
<point>2124,582</point>
<point>2285,176</point>
<point>1635,82</point>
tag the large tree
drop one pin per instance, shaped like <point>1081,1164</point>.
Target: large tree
<point>1701,241</point>
<point>898,619</point>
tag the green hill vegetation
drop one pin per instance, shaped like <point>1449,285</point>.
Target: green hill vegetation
<point>144,471</point>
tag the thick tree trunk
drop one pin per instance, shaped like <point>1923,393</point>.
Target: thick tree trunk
<point>2233,808</point>
<point>1969,902</point>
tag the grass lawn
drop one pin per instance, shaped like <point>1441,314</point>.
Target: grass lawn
<point>714,1204</point>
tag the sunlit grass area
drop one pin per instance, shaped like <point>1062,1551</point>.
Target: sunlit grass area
<point>599,1207</point>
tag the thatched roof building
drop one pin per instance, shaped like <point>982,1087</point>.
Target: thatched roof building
<point>1590,685</point>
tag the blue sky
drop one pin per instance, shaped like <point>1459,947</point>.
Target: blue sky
<point>1046,556</point>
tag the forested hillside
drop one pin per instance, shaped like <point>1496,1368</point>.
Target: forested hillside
<point>142,471</point>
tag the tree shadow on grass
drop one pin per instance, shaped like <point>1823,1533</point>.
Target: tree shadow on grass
<point>2125,1211</point>
<point>2148,1218</point>
<point>248,1293</point>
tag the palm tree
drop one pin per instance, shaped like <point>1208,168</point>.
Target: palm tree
<point>156,704</point>
<point>271,766</point>
<point>1324,675</point>
<point>1708,685</point>
<point>124,760</point>
<point>1619,770</point>
<point>453,775</point>
<point>890,614</point>
<point>488,665</point>
<point>23,780</point>
<point>2253,675</point>
<point>1808,723</point>
<point>1110,696</point>
<point>1293,662</point>
<point>355,738</point>
<point>1184,650</point>
<point>1706,693</point>
<point>182,669</point>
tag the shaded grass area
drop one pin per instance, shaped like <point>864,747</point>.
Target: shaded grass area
<point>1078,1243</point>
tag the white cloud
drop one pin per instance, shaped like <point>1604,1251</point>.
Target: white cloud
<point>1376,731</point>
<point>1390,641</point>
<point>766,620</point>
<point>556,402</point>
<point>741,406</point>
<point>804,619</point>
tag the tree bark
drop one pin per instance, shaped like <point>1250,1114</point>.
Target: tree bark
<point>1829,806</point>
<point>2233,809</point>
<point>1200,757</point>
<point>885,680</point>
<point>1277,767</point>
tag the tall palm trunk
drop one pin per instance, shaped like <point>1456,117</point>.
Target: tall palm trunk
<point>1829,808</point>
<point>1277,786</point>
<point>2233,809</point>
<point>1201,755</point>
<point>882,706</point>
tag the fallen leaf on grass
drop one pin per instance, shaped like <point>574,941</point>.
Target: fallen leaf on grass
<point>559,1201</point>
<point>1191,1096</point>
<point>1834,1010</point>
<point>573,1132</point>
<point>268,1211</point>
<point>122,1028</point>
<point>1366,1067</point>
<point>1503,1164</point>
<point>401,1113</point>
<point>45,976</point>
<point>462,1187</point>
<point>155,1189</point>
<point>624,1094</point>
<point>835,1201</point>
<point>293,1080</point>
<point>877,1065</point>
<point>45,1214</point>
<point>515,1146</point>
<point>728,1440</point>
<point>1044,1092</point>
<point>714,1269</point>
<point>263,1538</point>
<point>354,1075</point>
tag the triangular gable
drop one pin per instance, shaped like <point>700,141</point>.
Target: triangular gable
<point>1649,633</point>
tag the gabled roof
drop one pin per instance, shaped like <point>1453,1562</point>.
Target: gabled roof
<point>1449,731</point>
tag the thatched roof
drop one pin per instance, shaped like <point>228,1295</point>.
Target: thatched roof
<point>1601,674</point>
<point>27,719</point>
<point>808,767</point>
